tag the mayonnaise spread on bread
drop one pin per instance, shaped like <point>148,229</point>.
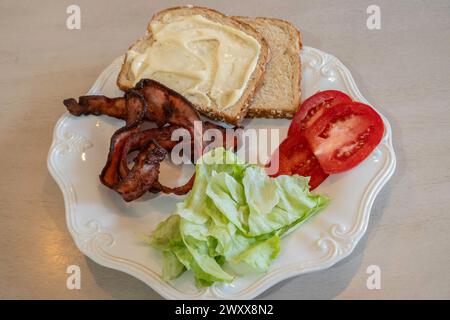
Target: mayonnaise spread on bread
<point>205,61</point>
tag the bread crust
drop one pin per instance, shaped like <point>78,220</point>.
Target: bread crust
<point>235,113</point>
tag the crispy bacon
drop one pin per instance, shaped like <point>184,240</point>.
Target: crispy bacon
<point>144,173</point>
<point>152,101</point>
<point>129,139</point>
<point>97,105</point>
<point>136,107</point>
<point>183,189</point>
<point>110,174</point>
<point>164,105</point>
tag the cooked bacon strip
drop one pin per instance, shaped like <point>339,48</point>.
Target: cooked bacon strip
<point>110,173</point>
<point>183,189</point>
<point>149,100</point>
<point>126,141</point>
<point>97,105</point>
<point>166,105</point>
<point>130,108</point>
<point>163,137</point>
<point>129,139</point>
<point>136,107</point>
<point>138,140</point>
<point>143,174</point>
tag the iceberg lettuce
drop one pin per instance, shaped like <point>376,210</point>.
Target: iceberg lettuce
<point>232,220</point>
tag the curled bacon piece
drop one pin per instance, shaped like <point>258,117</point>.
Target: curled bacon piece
<point>185,188</point>
<point>129,139</point>
<point>110,174</point>
<point>152,101</point>
<point>144,173</point>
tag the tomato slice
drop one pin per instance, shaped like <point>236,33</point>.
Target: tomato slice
<point>344,136</point>
<point>294,156</point>
<point>313,107</point>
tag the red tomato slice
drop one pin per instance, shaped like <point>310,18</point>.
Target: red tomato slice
<point>344,136</point>
<point>295,157</point>
<point>313,107</point>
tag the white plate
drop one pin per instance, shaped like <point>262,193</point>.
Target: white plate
<point>108,230</point>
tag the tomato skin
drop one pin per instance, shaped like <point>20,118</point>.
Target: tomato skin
<point>294,156</point>
<point>344,136</point>
<point>311,109</point>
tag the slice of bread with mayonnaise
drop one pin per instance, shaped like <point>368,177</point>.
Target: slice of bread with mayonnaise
<point>215,61</point>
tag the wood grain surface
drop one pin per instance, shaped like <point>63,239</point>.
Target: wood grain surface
<point>403,69</point>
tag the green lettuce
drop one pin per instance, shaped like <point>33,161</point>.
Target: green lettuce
<point>232,220</point>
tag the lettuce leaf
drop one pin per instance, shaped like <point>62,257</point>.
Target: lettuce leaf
<point>232,220</point>
<point>172,267</point>
<point>258,257</point>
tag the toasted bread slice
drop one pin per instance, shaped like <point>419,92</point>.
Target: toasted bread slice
<point>279,94</point>
<point>232,114</point>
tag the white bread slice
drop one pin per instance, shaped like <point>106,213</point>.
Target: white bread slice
<point>279,94</point>
<point>233,114</point>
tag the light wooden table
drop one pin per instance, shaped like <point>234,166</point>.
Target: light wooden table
<point>403,69</point>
